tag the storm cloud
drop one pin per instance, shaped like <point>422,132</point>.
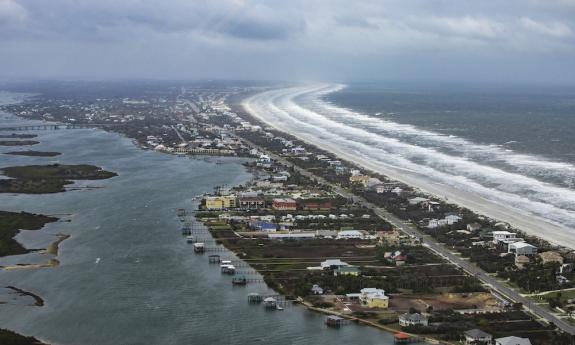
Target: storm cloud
<point>296,39</point>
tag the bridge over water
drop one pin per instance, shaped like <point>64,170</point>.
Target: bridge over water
<point>46,127</point>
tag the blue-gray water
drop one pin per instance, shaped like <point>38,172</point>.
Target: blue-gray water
<point>530,119</point>
<point>148,287</point>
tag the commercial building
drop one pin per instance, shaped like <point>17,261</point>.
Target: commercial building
<point>284,204</point>
<point>220,202</point>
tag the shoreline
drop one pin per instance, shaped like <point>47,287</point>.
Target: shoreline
<point>531,225</point>
<point>54,247</point>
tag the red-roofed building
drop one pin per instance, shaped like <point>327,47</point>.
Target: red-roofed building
<point>284,204</point>
<point>317,206</point>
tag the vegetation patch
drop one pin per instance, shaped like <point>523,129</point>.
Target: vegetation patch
<point>18,142</point>
<point>8,337</point>
<point>36,179</point>
<point>11,223</point>
<point>33,153</point>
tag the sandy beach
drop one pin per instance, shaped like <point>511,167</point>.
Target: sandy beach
<point>531,225</point>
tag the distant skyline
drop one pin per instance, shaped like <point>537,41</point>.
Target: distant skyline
<point>443,40</point>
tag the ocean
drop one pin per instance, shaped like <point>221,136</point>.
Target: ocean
<point>126,275</point>
<point>483,146</point>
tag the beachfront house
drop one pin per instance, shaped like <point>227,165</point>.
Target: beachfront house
<point>360,179</point>
<point>522,248</point>
<point>473,227</point>
<point>451,219</point>
<point>501,236</point>
<point>551,257</point>
<point>434,223</point>
<point>418,201</point>
<point>415,319</point>
<point>512,341</point>
<point>374,298</point>
<point>477,337</point>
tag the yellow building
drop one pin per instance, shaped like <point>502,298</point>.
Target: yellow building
<point>381,302</point>
<point>374,298</point>
<point>220,202</point>
<point>362,179</point>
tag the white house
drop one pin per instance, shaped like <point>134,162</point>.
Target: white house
<point>473,226</point>
<point>500,236</point>
<point>418,200</point>
<point>522,248</point>
<point>316,289</point>
<point>476,336</point>
<point>512,341</point>
<point>452,219</point>
<point>414,319</point>
<point>350,234</point>
<point>433,223</point>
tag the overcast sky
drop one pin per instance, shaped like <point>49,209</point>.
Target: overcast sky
<point>512,40</point>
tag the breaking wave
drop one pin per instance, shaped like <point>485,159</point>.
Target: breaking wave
<point>530,184</point>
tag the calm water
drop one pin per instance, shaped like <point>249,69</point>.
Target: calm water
<point>148,287</point>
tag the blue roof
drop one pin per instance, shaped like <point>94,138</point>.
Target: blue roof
<point>263,225</point>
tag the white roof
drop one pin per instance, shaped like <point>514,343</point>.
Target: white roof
<point>503,233</point>
<point>512,341</point>
<point>519,245</point>
<point>333,262</point>
<point>350,233</point>
<point>418,199</point>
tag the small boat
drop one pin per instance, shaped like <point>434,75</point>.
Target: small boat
<point>228,269</point>
<point>239,281</point>
<point>190,239</point>
<point>199,247</point>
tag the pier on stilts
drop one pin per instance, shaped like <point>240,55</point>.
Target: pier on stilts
<point>403,338</point>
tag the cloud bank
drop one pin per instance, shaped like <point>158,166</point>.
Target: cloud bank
<point>296,39</point>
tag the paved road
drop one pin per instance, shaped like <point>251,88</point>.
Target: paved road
<point>437,247</point>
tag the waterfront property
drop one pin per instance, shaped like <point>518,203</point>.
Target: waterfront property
<point>374,298</point>
<point>220,202</point>
<point>413,319</point>
<point>334,321</point>
<point>504,236</point>
<point>477,337</point>
<point>522,248</point>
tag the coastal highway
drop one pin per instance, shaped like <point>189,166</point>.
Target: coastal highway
<point>439,248</point>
